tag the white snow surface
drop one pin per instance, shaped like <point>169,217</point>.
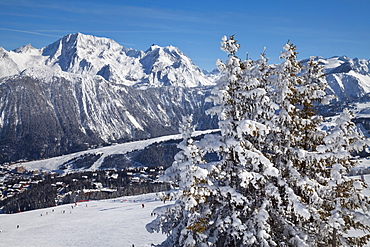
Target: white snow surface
<point>113,222</point>
<point>331,62</point>
<point>133,120</point>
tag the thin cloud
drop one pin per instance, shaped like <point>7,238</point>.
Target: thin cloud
<point>45,5</point>
<point>164,14</point>
<point>4,12</point>
<point>30,32</point>
<point>339,40</point>
<point>106,9</point>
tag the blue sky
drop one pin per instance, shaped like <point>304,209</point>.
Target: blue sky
<point>319,28</point>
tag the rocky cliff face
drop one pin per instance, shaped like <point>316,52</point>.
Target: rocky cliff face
<point>41,119</point>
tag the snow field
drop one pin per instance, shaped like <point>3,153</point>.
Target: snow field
<point>114,222</point>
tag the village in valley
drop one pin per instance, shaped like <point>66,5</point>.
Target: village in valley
<point>23,190</point>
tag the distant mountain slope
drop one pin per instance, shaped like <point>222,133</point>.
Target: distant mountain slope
<point>349,79</point>
<point>44,118</point>
<point>55,164</point>
<point>83,91</point>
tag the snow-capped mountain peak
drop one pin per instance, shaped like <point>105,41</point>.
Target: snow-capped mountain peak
<point>345,64</point>
<point>90,56</point>
<point>27,49</point>
<point>170,66</point>
<point>83,90</point>
<point>83,54</point>
<point>348,78</point>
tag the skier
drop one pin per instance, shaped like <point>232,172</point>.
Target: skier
<point>142,205</point>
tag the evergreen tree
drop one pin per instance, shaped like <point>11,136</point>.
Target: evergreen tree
<point>280,180</point>
<point>182,223</point>
<point>295,135</point>
<point>343,207</point>
<point>304,171</point>
<point>232,211</point>
<point>242,176</point>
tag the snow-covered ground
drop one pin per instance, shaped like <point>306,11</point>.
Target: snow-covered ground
<point>115,222</point>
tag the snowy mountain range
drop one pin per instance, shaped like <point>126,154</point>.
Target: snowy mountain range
<point>84,91</point>
<point>349,79</point>
<point>91,56</point>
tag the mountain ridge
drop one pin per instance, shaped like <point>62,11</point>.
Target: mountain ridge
<point>90,55</point>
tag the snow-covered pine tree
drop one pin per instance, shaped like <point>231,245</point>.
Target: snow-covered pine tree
<point>184,166</point>
<point>180,221</point>
<point>242,178</point>
<point>256,97</point>
<point>237,199</point>
<point>290,212</point>
<point>343,207</point>
<point>310,92</point>
<point>272,186</point>
<point>227,204</point>
<point>304,171</point>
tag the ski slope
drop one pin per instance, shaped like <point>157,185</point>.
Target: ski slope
<point>114,222</point>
